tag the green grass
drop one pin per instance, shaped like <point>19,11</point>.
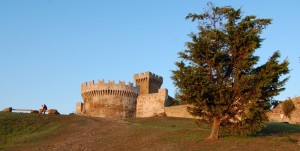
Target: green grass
<point>189,130</point>
<point>276,128</point>
<point>25,129</point>
<point>171,127</point>
<point>283,131</point>
<point>185,131</point>
<point>164,123</point>
<point>29,130</point>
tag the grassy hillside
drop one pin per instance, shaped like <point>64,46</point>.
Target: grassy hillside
<point>17,129</point>
<point>57,132</point>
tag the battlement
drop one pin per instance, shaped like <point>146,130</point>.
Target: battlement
<point>149,75</point>
<point>119,100</point>
<point>148,82</point>
<point>110,85</point>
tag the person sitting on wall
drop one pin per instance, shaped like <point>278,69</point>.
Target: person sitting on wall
<point>44,108</point>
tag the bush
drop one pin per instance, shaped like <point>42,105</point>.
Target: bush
<point>288,107</point>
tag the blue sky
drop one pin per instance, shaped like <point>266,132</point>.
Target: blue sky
<point>49,47</point>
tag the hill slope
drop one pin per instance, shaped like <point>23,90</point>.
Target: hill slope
<point>45,132</point>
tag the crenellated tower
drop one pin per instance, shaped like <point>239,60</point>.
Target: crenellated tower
<point>148,82</point>
<point>109,99</point>
<point>121,100</point>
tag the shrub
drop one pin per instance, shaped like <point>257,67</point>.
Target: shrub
<point>288,107</point>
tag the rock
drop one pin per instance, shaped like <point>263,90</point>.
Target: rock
<point>34,111</point>
<point>52,111</point>
<point>40,111</point>
<point>9,109</point>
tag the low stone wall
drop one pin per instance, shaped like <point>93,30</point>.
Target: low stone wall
<point>178,111</point>
<point>79,107</point>
<point>279,117</point>
<point>276,114</point>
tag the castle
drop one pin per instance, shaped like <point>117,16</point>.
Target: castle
<point>145,99</point>
<point>120,100</point>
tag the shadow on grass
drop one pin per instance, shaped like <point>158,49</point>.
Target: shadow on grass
<point>271,129</point>
<point>279,128</point>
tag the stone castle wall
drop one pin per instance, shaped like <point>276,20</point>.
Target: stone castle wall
<point>148,82</point>
<point>149,105</point>
<point>79,107</point>
<point>178,111</point>
<point>111,85</point>
<point>109,99</point>
<point>120,100</point>
<point>276,114</point>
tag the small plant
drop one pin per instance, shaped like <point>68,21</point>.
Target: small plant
<point>292,140</point>
<point>287,137</point>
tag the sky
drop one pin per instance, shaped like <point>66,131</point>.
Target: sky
<point>48,48</point>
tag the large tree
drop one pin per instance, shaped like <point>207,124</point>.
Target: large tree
<point>219,73</point>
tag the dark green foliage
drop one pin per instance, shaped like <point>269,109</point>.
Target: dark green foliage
<point>219,74</point>
<point>274,103</point>
<point>288,107</point>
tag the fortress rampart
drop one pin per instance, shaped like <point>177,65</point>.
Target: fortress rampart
<point>120,100</point>
<point>109,99</point>
<point>111,85</point>
<point>151,104</point>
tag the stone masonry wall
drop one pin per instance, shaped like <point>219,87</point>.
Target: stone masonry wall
<point>111,85</point>
<point>149,105</point>
<point>178,111</point>
<point>79,107</point>
<point>148,82</point>
<point>109,99</point>
<point>276,114</point>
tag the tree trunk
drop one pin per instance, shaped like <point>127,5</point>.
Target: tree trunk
<point>215,129</point>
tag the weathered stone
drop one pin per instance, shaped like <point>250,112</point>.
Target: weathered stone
<point>276,114</point>
<point>40,111</point>
<point>9,109</point>
<point>178,111</point>
<point>52,111</point>
<point>124,100</point>
<point>149,105</point>
<point>34,111</point>
<point>148,82</point>
<point>79,108</point>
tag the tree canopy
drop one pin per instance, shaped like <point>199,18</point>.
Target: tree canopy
<point>218,72</point>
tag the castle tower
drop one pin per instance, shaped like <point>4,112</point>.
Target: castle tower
<point>113,100</point>
<point>148,82</point>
